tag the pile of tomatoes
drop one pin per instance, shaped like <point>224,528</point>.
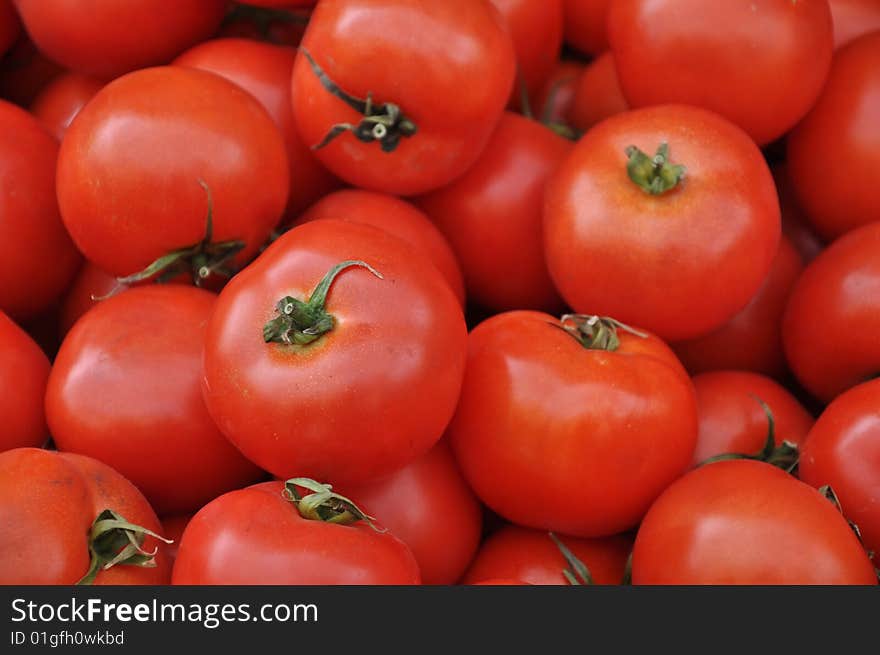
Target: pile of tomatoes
<point>423,291</point>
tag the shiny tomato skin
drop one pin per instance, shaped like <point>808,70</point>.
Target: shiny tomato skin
<point>10,26</point>
<point>743,522</point>
<point>107,38</point>
<point>390,370</point>
<point>255,536</point>
<point>132,366</point>
<point>585,25</point>
<point>853,18</point>
<point>88,288</point>
<point>24,369</point>
<point>37,257</point>
<point>56,497</point>
<point>752,339</point>
<point>62,99</point>
<point>264,70</point>
<point>554,101</point>
<point>830,326</point>
<point>499,201</point>
<point>733,421</point>
<point>129,201</point>
<point>655,261</point>
<point>843,450</point>
<point>531,557</point>
<point>597,95</point>
<point>428,505</point>
<point>838,190</point>
<point>457,40</point>
<point>572,423</point>
<point>788,46</point>
<point>397,217</point>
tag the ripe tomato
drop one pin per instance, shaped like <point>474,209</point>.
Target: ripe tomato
<point>746,522</point>
<point>410,57</point>
<point>258,536</point>
<point>107,38</point>
<point>396,217</point>
<point>838,190</point>
<point>565,410</point>
<point>499,201</point>
<point>61,100</point>
<point>132,366</point>
<point>697,50</point>
<point>638,238</point>
<point>10,26</point>
<point>843,450</point>
<point>830,326</point>
<point>554,101</point>
<point>585,25</point>
<point>732,419</point>
<point>128,202</point>
<point>63,498</point>
<point>752,339</point>
<point>37,257</point>
<point>24,370</point>
<point>293,371</point>
<point>264,70</point>
<point>597,95</point>
<point>795,224</point>
<point>89,287</point>
<point>428,506</point>
<point>853,18</point>
<point>532,557</point>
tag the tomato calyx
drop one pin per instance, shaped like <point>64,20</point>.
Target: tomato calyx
<point>577,574</point>
<point>300,323</point>
<point>385,122</point>
<point>654,175</point>
<point>596,332</point>
<point>324,504</point>
<point>113,540</point>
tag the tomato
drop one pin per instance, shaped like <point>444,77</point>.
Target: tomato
<point>843,450</point>
<point>61,100</point>
<point>830,326</point>
<point>554,101</point>
<point>410,57</point>
<point>264,70</point>
<point>428,506</point>
<point>50,504</point>
<point>128,202</point>
<point>24,71</point>
<point>89,287</point>
<point>752,339</point>
<point>746,522</point>
<point>396,217</point>
<point>499,201</point>
<point>732,419</point>
<point>10,26</point>
<point>531,557</point>
<point>24,370</point>
<point>795,224</point>
<point>258,536</point>
<point>763,69</point>
<point>636,236</point>
<point>853,18</point>
<point>107,38</point>
<point>597,95</point>
<point>838,190</point>
<point>132,366</point>
<point>37,257</point>
<point>172,529</point>
<point>585,25</point>
<point>292,371</point>
<point>593,421</point>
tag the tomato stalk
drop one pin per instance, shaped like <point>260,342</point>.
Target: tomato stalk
<point>654,175</point>
<point>597,332</point>
<point>324,504</point>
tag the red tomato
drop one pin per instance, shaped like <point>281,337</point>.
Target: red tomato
<point>107,38</point>
<point>410,57</point>
<point>59,496</point>
<point>554,101</point>
<point>760,65</point>
<point>256,536</point>
<point>531,556</point>
<point>838,190</point>
<point>61,100</point>
<point>132,366</point>
<point>853,18</point>
<point>129,201</point>
<point>37,257</point>
<point>172,529</point>
<point>492,216</point>
<point>732,419</point>
<point>747,523</point>
<point>795,224</point>
<point>24,370</point>
<point>843,450</point>
<point>24,71</point>
<point>292,372</point>
<point>585,28</point>
<point>751,340</point>
<point>629,237</point>
<point>264,70</point>
<point>552,410</point>
<point>597,95</point>
<point>428,506</point>
<point>831,324</point>
<point>396,217</point>
<point>10,26</point>
<point>89,287</point>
